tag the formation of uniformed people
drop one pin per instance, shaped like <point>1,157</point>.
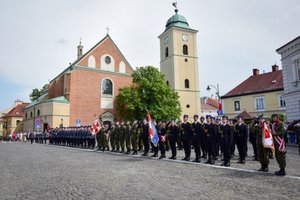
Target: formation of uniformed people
<point>210,138</point>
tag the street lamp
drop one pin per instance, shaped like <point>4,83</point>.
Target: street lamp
<point>216,88</point>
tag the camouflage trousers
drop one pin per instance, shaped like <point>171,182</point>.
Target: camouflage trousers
<point>262,152</point>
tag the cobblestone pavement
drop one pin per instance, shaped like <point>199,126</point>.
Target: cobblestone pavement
<point>53,172</point>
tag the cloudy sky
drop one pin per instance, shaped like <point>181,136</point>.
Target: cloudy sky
<point>39,37</point>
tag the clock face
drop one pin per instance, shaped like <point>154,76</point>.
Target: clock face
<point>166,40</point>
<point>184,37</point>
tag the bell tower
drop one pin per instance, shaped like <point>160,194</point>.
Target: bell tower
<point>179,62</point>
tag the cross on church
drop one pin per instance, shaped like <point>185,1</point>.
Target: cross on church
<point>107,30</point>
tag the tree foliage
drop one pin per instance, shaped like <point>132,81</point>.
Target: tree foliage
<point>36,93</point>
<point>148,93</point>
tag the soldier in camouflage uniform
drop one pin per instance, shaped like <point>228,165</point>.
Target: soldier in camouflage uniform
<point>136,131</point>
<point>127,137</point>
<point>122,137</point>
<point>117,137</point>
<point>262,152</point>
<point>140,139</point>
<point>112,137</point>
<point>278,129</point>
<point>105,138</point>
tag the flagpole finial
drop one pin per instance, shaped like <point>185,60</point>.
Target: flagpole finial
<point>175,5</point>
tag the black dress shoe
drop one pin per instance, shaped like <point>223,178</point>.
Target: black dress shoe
<point>154,155</point>
<point>187,159</point>
<point>172,157</point>
<point>183,158</point>
<point>162,156</point>
<point>145,154</point>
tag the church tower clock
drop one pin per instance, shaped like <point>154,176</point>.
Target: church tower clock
<point>179,62</point>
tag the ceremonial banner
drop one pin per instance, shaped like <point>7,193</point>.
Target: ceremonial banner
<point>267,137</point>
<point>95,127</point>
<point>152,131</point>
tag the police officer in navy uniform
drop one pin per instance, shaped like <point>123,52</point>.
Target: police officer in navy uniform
<point>203,138</point>
<point>186,137</point>
<point>196,128</point>
<point>225,140</point>
<point>241,133</point>
<point>145,137</point>
<point>210,131</point>
<point>173,131</point>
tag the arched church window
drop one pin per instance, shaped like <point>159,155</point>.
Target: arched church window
<point>167,83</point>
<point>107,87</point>
<point>26,116</point>
<point>186,83</point>
<point>38,113</point>
<point>185,49</point>
<point>167,52</point>
<point>30,114</point>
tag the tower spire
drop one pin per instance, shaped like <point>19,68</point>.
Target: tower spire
<point>79,49</point>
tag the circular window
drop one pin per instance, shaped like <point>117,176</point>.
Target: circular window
<point>107,60</point>
<point>188,106</point>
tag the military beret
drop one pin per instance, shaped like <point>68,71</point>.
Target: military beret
<point>202,117</point>
<point>196,116</point>
<point>208,116</point>
<point>184,116</point>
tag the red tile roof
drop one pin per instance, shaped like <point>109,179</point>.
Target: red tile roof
<point>245,115</point>
<point>210,104</point>
<point>260,83</point>
<point>17,111</point>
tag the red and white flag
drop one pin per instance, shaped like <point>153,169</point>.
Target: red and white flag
<point>267,137</point>
<point>95,127</point>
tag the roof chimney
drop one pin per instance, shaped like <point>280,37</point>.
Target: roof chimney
<point>255,72</point>
<point>275,68</point>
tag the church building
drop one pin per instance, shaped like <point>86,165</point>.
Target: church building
<point>87,88</point>
<point>179,62</point>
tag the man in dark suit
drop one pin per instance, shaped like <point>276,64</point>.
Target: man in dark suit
<point>225,140</point>
<point>173,132</point>
<point>196,128</point>
<point>210,131</point>
<point>145,137</point>
<point>241,133</point>
<point>186,137</point>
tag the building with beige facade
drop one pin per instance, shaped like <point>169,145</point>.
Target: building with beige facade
<point>12,120</point>
<point>257,95</point>
<point>179,62</point>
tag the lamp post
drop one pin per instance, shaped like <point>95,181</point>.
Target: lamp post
<point>61,122</point>
<point>216,88</point>
<point>220,110</point>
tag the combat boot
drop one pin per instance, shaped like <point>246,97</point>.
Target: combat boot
<point>281,172</point>
<point>162,156</point>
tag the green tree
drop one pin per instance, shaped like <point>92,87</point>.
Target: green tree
<point>36,93</point>
<point>148,93</point>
